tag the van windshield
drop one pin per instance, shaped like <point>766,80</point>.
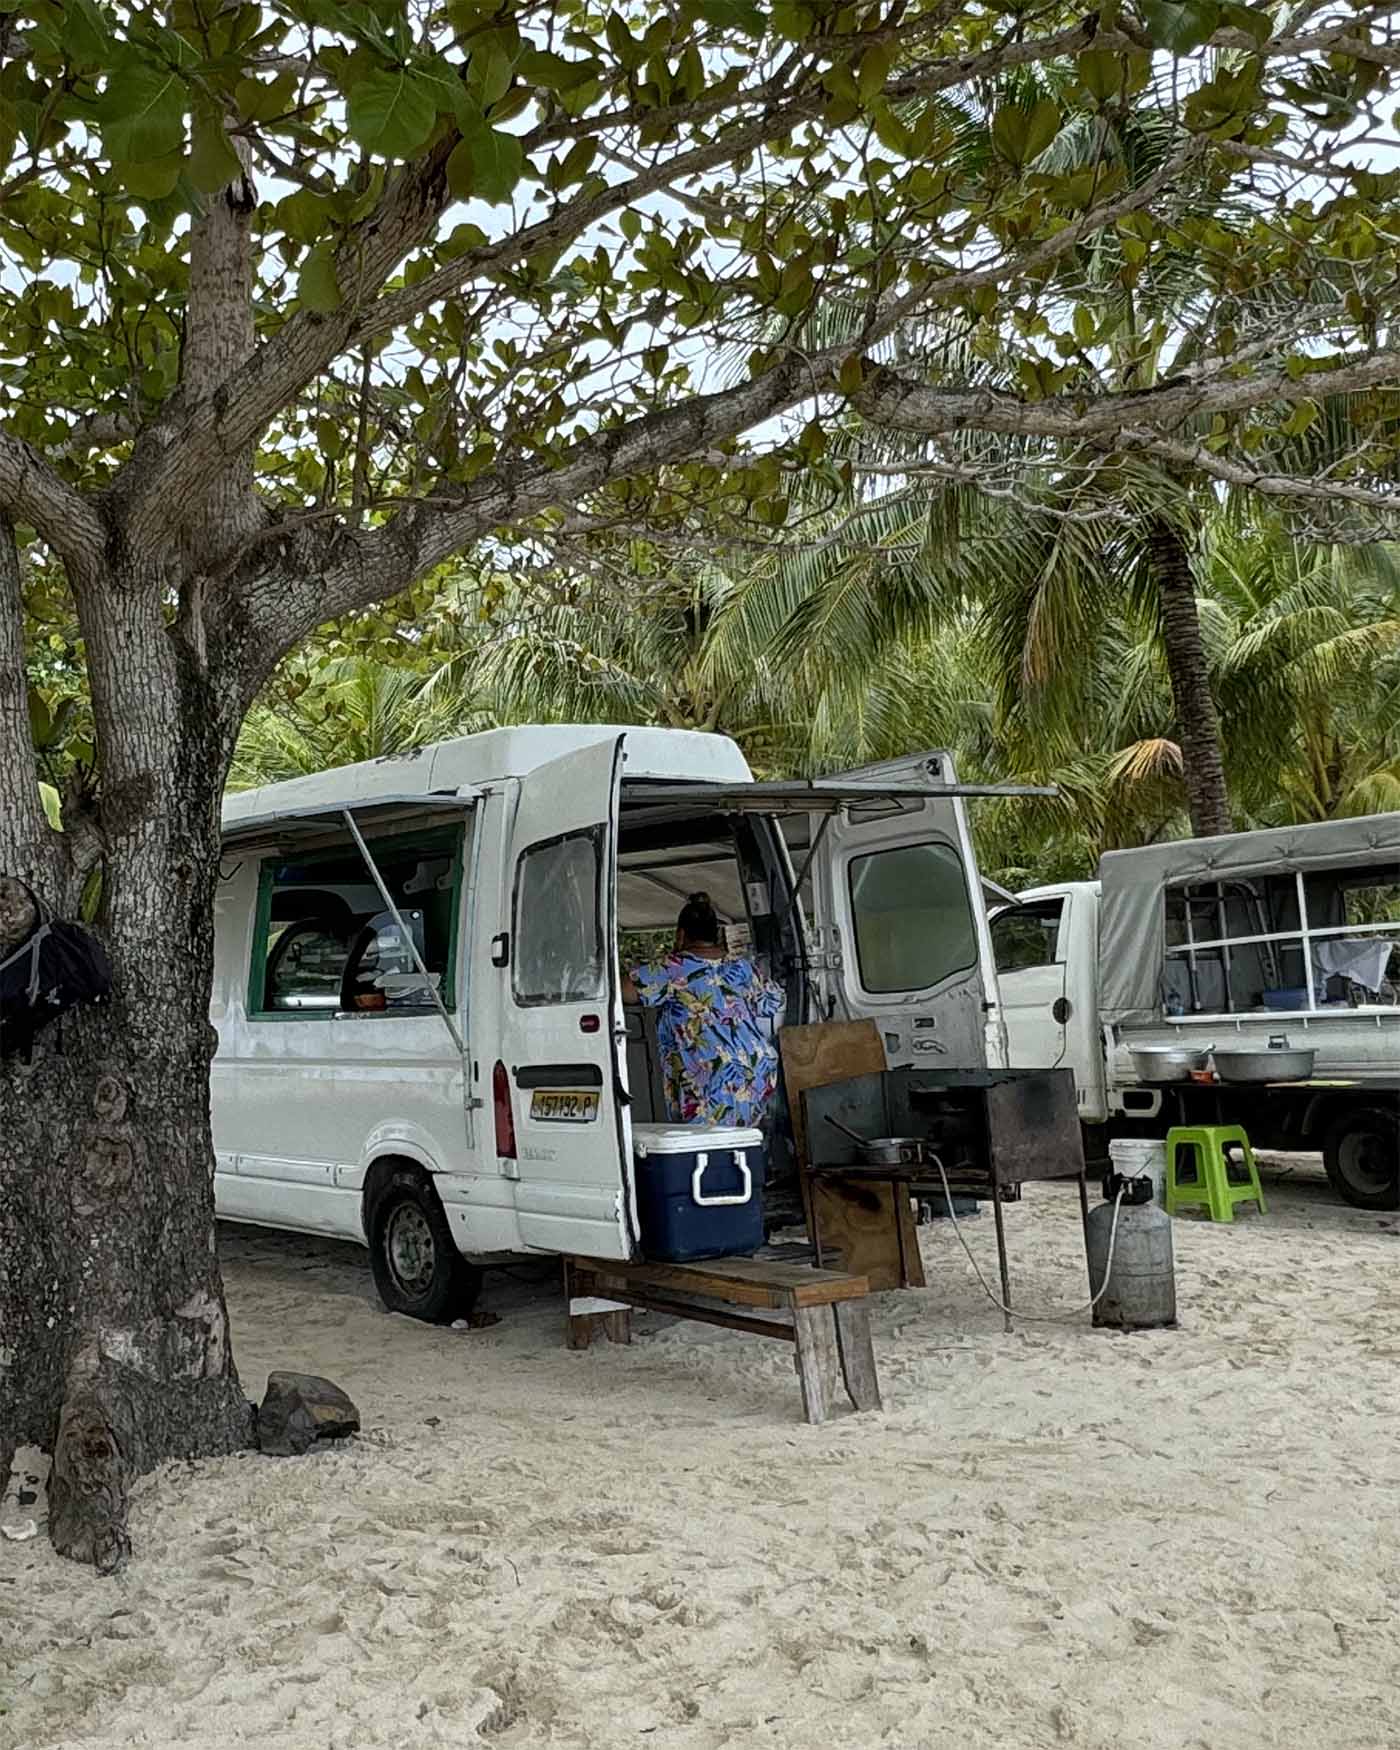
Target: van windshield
<point>914,926</point>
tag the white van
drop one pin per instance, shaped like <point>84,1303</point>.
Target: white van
<point>422,1044</point>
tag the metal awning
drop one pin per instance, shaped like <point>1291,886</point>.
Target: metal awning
<point>287,824</point>
<point>808,796</point>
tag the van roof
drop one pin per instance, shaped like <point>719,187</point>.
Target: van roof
<point>473,760</point>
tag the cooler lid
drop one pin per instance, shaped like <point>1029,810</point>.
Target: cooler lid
<point>687,1139</point>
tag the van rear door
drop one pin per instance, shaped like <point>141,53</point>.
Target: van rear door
<point>563,1067</point>
<point>900,920</point>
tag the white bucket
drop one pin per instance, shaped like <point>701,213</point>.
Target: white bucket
<point>1138,1157</point>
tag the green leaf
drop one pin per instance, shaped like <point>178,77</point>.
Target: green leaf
<point>875,66</point>
<point>153,179</point>
<point>851,375</point>
<point>1100,73</point>
<point>318,288</point>
<point>1303,415</point>
<point>330,434</point>
<point>87,35</point>
<point>9,130</point>
<point>1020,135</point>
<point>630,224</point>
<point>213,162</point>
<point>1084,325</point>
<point>1253,19</point>
<point>742,15</point>
<point>486,164</point>
<point>53,807</point>
<point>264,103</point>
<point>1180,25</point>
<point>1042,125</point>
<point>391,114</point>
<point>142,114</point>
<point>303,215</point>
<point>490,73</point>
<point>40,720</point>
<point>553,72</point>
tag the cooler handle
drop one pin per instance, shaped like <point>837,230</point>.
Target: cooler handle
<point>697,1196</point>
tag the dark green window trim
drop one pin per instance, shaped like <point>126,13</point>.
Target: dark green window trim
<point>452,839</point>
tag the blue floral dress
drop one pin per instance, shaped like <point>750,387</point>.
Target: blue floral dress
<point>719,1062</point>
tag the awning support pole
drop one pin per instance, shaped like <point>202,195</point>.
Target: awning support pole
<point>407,934</point>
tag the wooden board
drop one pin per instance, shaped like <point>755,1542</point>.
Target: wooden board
<point>860,1221</point>
<point>816,1056</point>
<point>740,1281</point>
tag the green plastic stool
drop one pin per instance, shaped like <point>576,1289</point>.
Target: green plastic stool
<point>1204,1146</point>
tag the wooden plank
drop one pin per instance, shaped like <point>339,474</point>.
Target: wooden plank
<point>871,1225</point>
<point>761,1282</point>
<point>713,1315</point>
<point>857,1354</point>
<point>817,1055</point>
<point>818,1363</point>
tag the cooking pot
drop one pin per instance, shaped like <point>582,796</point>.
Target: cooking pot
<point>884,1151</point>
<point>1167,1063</point>
<point>1275,1062</point>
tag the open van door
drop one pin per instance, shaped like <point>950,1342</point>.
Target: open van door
<point>901,927</point>
<point>560,1087</point>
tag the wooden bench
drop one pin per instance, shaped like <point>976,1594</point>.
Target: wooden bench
<point>822,1312</point>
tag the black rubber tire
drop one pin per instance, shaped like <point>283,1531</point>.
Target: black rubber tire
<point>416,1266</point>
<point>1361,1151</point>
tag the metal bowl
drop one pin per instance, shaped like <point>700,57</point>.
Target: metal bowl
<point>1265,1064</point>
<point>1167,1063</point>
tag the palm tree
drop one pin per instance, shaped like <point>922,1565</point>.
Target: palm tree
<point>1306,645</point>
<point>1073,539</point>
<point>319,715</point>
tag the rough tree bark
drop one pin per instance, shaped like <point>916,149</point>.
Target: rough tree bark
<point>114,1342</point>
<point>1198,723</point>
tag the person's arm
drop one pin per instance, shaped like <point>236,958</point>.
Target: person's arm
<point>630,993</point>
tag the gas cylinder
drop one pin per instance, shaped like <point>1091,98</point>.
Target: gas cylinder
<point>1141,1291</point>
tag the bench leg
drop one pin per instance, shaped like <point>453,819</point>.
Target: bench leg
<point>817,1360</point>
<point>857,1354</point>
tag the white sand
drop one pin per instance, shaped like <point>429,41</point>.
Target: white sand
<point>1057,1537</point>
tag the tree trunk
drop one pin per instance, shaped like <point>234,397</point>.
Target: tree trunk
<point>1198,725</point>
<point>114,1341</point>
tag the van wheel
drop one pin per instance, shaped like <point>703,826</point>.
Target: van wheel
<point>1361,1151</point>
<point>414,1259</point>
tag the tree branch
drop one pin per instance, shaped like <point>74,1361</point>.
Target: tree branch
<point>886,398</point>
<point>367,567</point>
<point>27,846</point>
<point>195,436</point>
<point>32,492</point>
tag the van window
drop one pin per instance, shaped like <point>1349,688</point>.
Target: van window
<point>558,921</point>
<point>324,942</point>
<point>1024,936</point>
<point>913,918</point>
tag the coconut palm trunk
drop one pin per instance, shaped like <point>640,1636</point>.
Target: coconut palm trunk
<point>1198,723</point>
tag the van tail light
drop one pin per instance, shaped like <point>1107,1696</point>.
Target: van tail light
<point>505,1118</point>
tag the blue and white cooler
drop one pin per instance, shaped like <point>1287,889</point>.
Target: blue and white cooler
<point>699,1191</point>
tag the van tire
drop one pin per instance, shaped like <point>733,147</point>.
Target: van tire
<point>413,1257</point>
<point>1361,1151</point>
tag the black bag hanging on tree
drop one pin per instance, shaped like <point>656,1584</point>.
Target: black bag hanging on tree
<point>56,967</point>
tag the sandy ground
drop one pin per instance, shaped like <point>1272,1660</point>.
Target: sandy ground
<point>1058,1537</point>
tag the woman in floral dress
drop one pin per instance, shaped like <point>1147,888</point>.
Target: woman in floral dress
<point>718,1057</point>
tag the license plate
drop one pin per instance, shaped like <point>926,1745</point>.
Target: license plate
<point>563,1106</point>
